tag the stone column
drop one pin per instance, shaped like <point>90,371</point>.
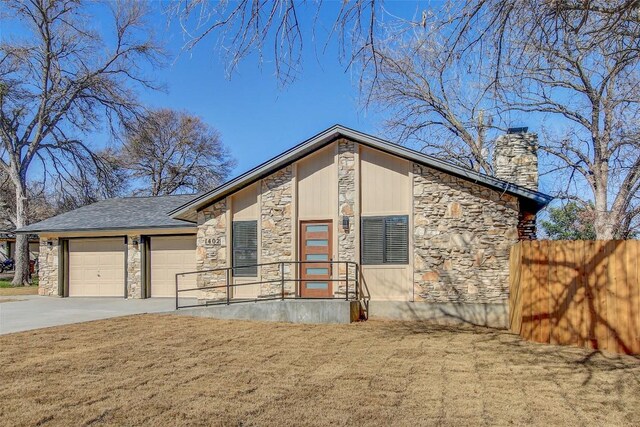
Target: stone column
<point>48,267</point>
<point>276,223</point>
<point>346,208</point>
<point>211,252</point>
<point>134,266</point>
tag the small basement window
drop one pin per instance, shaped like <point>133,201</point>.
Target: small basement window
<point>385,240</point>
<point>245,248</point>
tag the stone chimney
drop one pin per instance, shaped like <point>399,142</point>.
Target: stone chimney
<point>516,158</point>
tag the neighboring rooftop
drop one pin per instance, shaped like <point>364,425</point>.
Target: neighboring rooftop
<point>116,214</point>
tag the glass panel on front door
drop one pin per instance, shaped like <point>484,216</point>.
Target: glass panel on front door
<point>316,247</point>
<point>317,228</point>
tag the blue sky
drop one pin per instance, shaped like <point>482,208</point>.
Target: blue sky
<point>257,117</point>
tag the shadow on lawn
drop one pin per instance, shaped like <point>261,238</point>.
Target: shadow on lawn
<point>513,349</point>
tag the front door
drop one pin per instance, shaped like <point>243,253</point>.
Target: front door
<point>315,247</point>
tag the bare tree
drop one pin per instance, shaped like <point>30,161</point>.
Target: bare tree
<point>59,79</point>
<point>241,27</point>
<point>83,183</point>
<point>577,62</point>
<point>79,185</point>
<point>571,63</point>
<point>432,97</point>
<point>7,203</point>
<point>173,152</point>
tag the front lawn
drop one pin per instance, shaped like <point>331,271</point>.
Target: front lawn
<point>175,370</point>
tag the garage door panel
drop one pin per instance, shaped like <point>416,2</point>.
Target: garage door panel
<point>171,255</point>
<point>96,267</point>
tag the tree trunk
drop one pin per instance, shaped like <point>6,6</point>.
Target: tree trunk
<point>604,221</point>
<point>21,277</point>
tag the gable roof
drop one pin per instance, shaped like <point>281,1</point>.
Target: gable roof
<point>536,199</point>
<point>117,214</point>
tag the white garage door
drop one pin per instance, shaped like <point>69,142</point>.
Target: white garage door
<point>171,255</point>
<point>96,267</point>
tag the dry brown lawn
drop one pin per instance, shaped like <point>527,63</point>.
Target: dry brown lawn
<point>175,370</point>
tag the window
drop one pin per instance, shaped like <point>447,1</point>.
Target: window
<point>385,240</point>
<point>245,248</point>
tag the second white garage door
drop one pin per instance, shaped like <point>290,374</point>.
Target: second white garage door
<point>96,267</point>
<point>171,255</point>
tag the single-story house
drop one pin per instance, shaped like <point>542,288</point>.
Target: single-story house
<point>425,235</point>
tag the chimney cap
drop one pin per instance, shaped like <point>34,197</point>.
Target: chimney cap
<point>522,129</point>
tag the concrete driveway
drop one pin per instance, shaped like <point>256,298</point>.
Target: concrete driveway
<point>26,312</point>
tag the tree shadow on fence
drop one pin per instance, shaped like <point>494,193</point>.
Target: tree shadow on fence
<point>582,293</point>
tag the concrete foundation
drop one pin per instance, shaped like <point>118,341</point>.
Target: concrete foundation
<point>491,315</point>
<point>293,311</point>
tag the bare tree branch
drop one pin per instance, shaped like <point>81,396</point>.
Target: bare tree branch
<point>173,152</point>
<point>61,81</point>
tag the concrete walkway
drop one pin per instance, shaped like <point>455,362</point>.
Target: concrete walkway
<point>26,312</point>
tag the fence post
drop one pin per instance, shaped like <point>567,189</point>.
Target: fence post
<point>282,278</point>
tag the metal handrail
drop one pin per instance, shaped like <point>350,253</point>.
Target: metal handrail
<point>229,285</point>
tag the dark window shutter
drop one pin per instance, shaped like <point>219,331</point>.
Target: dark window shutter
<point>396,240</point>
<point>372,246</point>
<point>245,248</point>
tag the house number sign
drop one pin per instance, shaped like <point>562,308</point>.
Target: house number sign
<point>211,241</point>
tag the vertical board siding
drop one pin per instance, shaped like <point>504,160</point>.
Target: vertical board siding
<point>386,189</point>
<point>582,293</point>
<point>316,185</point>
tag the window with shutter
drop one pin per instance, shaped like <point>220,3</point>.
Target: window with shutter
<point>396,240</point>
<point>372,242</point>
<point>385,240</point>
<point>245,248</point>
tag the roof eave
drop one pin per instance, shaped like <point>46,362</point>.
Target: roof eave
<point>72,230</point>
<point>540,200</point>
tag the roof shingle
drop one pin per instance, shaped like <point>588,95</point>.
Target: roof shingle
<point>115,214</point>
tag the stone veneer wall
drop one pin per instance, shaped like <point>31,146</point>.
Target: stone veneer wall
<point>462,236</point>
<point>211,250</point>
<point>48,267</point>
<point>276,229</point>
<point>134,264</point>
<point>346,206</point>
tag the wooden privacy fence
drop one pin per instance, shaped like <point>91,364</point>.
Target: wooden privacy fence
<point>584,293</point>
